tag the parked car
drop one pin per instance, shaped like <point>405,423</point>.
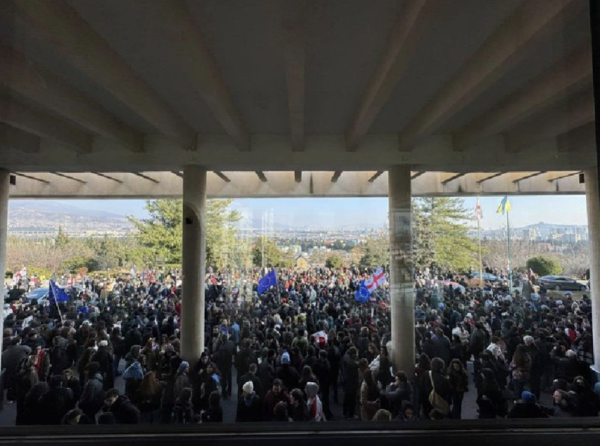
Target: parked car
<point>473,281</point>
<point>561,283</point>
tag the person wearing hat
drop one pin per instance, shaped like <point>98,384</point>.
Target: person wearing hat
<point>527,407</point>
<point>288,375</point>
<point>249,408</point>
<point>182,379</point>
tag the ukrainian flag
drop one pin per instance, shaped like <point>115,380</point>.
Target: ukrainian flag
<point>504,206</point>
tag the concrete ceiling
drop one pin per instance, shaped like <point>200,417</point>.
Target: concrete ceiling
<point>306,85</point>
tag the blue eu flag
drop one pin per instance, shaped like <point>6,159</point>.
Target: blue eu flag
<point>267,281</point>
<point>363,293</point>
<point>57,293</point>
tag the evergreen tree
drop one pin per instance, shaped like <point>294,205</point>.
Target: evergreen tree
<point>440,234</point>
<point>162,232</point>
<point>62,239</point>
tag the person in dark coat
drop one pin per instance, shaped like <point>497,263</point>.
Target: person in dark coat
<point>224,361</point>
<point>105,358</point>
<point>350,372</point>
<point>92,396</point>
<point>398,392</point>
<point>59,358</point>
<point>438,380</point>
<point>251,376</point>
<point>459,384</point>
<point>249,408</point>
<point>322,370</point>
<point>71,382</point>
<point>243,359</point>
<point>298,410</point>
<point>276,395</point>
<point>214,414</point>
<point>288,375</point>
<point>527,407</point>
<point>266,370</point>
<point>120,406</point>
<point>12,357</point>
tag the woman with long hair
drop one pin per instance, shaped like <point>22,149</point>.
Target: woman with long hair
<point>421,377</point>
<point>384,374</point>
<point>147,398</point>
<point>459,384</point>
<point>438,381</point>
<point>520,370</point>
<point>369,397</point>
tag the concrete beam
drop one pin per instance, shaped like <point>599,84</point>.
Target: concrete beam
<point>526,177</point>
<point>108,177</point>
<point>222,176</point>
<point>29,177</point>
<point>289,20</point>
<point>411,25</point>
<point>526,28</point>
<point>12,138</point>
<point>261,176</point>
<point>568,76</point>
<point>452,177</point>
<point>21,77</point>
<point>195,59</point>
<point>69,177</point>
<point>282,184</point>
<point>323,152</point>
<point>375,176</point>
<point>58,28</point>
<point>146,177</point>
<point>44,125</point>
<point>573,113</point>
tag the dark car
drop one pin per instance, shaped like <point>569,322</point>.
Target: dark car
<point>563,283</point>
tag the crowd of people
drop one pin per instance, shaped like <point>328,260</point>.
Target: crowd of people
<point>295,352</point>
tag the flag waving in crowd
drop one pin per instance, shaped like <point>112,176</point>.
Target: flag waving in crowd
<point>267,281</point>
<point>369,285</point>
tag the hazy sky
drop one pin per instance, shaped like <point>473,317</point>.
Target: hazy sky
<point>372,212</point>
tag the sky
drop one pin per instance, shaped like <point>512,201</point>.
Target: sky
<point>371,212</point>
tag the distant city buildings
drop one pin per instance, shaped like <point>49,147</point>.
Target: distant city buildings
<point>540,233</point>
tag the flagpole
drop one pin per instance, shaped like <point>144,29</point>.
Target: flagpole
<point>510,282</point>
<point>480,257</point>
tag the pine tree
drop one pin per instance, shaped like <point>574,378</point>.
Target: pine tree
<point>441,235</point>
<point>162,232</point>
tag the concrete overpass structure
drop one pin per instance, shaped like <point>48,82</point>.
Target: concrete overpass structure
<point>266,98</point>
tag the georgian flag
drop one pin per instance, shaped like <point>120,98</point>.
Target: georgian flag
<point>478,212</point>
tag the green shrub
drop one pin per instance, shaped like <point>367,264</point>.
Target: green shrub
<point>544,266</point>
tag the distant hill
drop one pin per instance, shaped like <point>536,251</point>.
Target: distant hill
<point>38,216</point>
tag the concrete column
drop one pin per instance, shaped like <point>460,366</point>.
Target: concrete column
<point>4,191</point>
<point>401,270</point>
<point>592,195</point>
<point>193,263</point>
